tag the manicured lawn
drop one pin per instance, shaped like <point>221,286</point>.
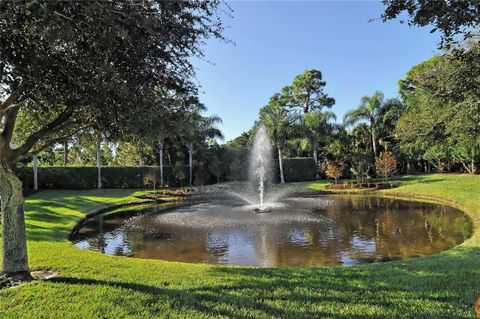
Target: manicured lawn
<point>92,285</point>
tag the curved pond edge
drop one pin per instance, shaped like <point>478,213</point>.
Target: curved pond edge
<point>105,210</point>
<point>472,216</point>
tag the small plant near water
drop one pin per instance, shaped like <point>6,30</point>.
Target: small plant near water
<point>385,165</point>
<point>333,171</point>
<point>152,179</point>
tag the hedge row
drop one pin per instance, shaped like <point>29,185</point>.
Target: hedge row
<point>299,169</point>
<point>85,177</point>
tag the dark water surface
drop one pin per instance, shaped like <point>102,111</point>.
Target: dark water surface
<point>312,231</point>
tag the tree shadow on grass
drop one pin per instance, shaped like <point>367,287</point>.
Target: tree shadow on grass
<point>439,286</point>
<point>445,282</point>
<point>212,300</point>
<point>45,221</point>
<point>424,179</point>
<point>46,234</point>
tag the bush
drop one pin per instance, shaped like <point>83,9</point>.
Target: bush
<point>333,171</point>
<point>299,169</point>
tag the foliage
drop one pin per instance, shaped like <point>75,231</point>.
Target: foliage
<point>152,178</point>
<point>279,122</point>
<point>451,18</point>
<point>216,167</point>
<point>196,128</point>
<point>441,112</point>
<point>299,169</point>
<point>319,129</point>
<point>385,164</point>
<point>85,177</point>
<point>67,65</point>
<point>306,92</point>
<point>377,113</point>
<point>361,164</point>
<point>280,125</point>
<point>467,155</point>
<point>439,156</point>
<point>333,170</point>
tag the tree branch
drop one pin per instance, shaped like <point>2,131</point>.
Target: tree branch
<point>2,68</point>
<point>12,106</point>
<point>56,140</point>
<point>31,140</point>
<point>10,120</point>
<point>12,98</point>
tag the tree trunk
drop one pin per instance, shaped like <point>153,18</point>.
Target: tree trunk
<point>160,159</point>
<point>190,163</point>
<point>374,143</point>
<point>65,153</point>
<point>140,155</point>
<point>99,161</point>
<point>14,241</point>
<point>280,164</point>
<point>315,155</point>
<point>35,172</point>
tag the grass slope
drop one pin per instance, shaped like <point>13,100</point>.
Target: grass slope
<point>92,285</point>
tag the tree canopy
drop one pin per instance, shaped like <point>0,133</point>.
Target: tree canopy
<point>306,92</point>
<point>69,65</point>
<point>450,17</point>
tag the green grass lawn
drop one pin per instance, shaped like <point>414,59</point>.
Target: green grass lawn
<point>92,285</point>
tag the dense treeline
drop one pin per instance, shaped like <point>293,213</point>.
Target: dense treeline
<point>432,127</point>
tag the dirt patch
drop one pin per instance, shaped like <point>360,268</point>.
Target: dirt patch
<point>44,274</point>
<point>13,281</point>
<point>17,280</point>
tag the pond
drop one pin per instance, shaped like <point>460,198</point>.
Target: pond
<point>299,231</point>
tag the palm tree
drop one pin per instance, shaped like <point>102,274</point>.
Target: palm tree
<point>370,110</point>
<point>167,129</point>
<point>279,123</point>
<point>197,128</point>
<point>318,127</point>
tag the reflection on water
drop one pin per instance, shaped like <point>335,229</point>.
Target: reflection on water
<point>314,231</point>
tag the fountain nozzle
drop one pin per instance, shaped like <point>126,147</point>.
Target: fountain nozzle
<point>265,209</point>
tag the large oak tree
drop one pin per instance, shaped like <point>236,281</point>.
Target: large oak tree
<point>68,65</point>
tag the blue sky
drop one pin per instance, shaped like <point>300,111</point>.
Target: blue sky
<point>276,40</point>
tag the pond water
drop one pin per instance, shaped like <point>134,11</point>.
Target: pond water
<point>299,231</point>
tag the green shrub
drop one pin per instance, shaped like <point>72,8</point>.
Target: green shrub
<point>299,169</point>
<point>85,177</point>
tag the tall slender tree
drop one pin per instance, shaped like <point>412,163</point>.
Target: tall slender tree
<point>318,127</point>
<point>374,111</point>
<point>197,128</point>
<point>279,123</point>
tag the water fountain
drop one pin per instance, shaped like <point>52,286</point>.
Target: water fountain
<point>260,167</point>
<point>261,194</point>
